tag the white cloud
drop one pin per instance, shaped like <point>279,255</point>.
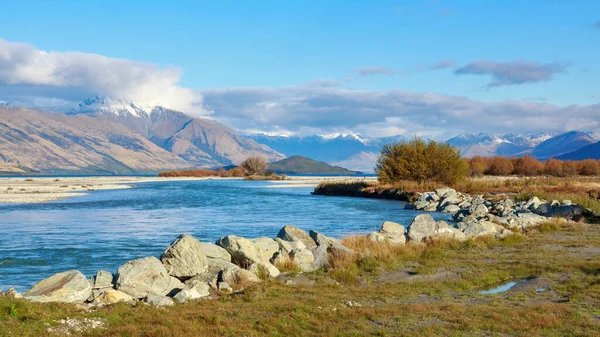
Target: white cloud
<point>36,74</point>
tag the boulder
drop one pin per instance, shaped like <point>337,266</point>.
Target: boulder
<point>225,287</point>
<point>111,296</point>
<point>144,276</point>
<point>451,209</point>
<point>421,227</point>
<point>237,276</point>
<point>215,252</point>
<point>332,244</point>
<point>420,205</point>
<point>532,203</point>
<point>184,258</point>
<point>13,293</point>
<point>479,211</point>
<point>321,259</point>
<point>267,247</point>
<point>302,256</point>
<point>158,300</point>
<point>480,228</point>
<point>444,192</point>
<point>102,280</point>
<point>70,287</point>
<point>245,254</point>
<point>391,232</point>
<point>543,209</point>
<point>432,207</point>
<point>293,233</point>
<point>187,294</point>
<point>566,202</point>
<point>286,247</point>
<point>443,230</point>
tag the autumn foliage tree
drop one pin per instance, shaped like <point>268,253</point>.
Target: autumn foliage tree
<point>255,165</point>
<point>527,166</point>
<point>420,161</point>
<point>500,166</point>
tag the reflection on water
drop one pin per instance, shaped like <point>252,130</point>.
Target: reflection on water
<point>107,228</point>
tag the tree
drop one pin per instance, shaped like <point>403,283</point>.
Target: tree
<point>527,166</point>
<point>589,167</point>
<point>478,166</point>
<point>500,166</point>
<point>254,165</point>
<point>420,161</point>
<point>555,168</point>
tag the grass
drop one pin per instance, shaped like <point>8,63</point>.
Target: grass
<point>566,258</point>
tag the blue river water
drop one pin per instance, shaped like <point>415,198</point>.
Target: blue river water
<point>107,228</point>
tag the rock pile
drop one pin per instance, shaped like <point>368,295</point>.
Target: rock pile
<point>189,269</point>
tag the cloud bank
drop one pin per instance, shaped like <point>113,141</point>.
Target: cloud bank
<point>306,110</point>
<point>31,75</point>
<point>512,73</point>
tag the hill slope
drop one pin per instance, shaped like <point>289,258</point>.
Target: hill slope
<point>561,144</point>
<point>591,151</point>
<point>303,165</point>
<point>56,143</point>
<point>201,142</point>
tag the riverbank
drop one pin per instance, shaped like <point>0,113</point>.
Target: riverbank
<point>423,290</point>
<point>44,189</point>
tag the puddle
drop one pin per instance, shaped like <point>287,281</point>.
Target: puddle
<point>508,286</point>
<point>499,289</point>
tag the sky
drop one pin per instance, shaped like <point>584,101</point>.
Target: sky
<point>377,68</point>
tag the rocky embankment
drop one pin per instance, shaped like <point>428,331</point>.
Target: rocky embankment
<point>189,269</point>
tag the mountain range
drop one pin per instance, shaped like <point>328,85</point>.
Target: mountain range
<point>108,135</point>
<point>111,136</point>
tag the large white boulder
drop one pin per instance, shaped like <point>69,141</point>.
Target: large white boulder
<point>70,287</point>
<point>245,254</point>
<point>144,276</point>
<point>293,233</point>
<point>215,252</point>
<point>185,257</point>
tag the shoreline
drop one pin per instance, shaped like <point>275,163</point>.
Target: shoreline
<point>32,190</point>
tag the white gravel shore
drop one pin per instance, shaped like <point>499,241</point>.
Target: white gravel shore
<point>39,190</point>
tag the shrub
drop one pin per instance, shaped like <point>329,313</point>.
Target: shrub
<point>254,165</point>
<point>478,166</point>
<point>570,168</point>
<point>420,161</point>
<point>500,166</point>
<point>589,167</point>
<point>527,166</point>
<point>189,173</point>
<point>236,172</point>
<point>222,172</point>
<point>554,167</point>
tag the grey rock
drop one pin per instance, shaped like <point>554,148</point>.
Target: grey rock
<point>187,294</point>
<point>421,227</point>
<point>144,276</point>
<point>102,279</point>
<point>432,207</point>
<point>532,203</point>
<point>543,209</point>
<point>481,228</point>
<point>286,247</point>
<point>111,296</point>
<point>225,287</point>
<point>444,192</point>
<point>293,233</point>
<point>13,293</point>
<point>567,202</point>
<point>451,209</point>
<point>215,252</point>
<point>159,300</point>
<point>245,254</point>
<point>420,205</point>
<point>70,287</point>
<point>302,256</point>
<point>479,210</point>
<point>184,258</point>
<point>266,247</point>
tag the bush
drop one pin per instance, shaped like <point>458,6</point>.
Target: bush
<point>236,172</point>
<point>478,166</point>
<point>527,166</point>
<point>254,165</point>
<point>189,173</point>
<point>500,166</point>
<point>554,167</point>
<point>589,167</point>
<point>420,161</point>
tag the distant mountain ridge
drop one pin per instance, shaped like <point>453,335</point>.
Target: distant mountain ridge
<point>303,165</point>
<point>199,141</point>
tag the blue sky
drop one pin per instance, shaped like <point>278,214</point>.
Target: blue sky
<point>541,51</point>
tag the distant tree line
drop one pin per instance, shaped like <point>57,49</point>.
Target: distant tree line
<point>430,161</point>
<point>252,166</point>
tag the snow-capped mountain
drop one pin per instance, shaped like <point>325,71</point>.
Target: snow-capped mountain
<point>103,104</point>
<point>349,150</point>
<point>487,145</point>
<point>201,142</point>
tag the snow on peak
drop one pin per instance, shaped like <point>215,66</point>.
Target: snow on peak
<point>344,135</point>
<point>111,105</point>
